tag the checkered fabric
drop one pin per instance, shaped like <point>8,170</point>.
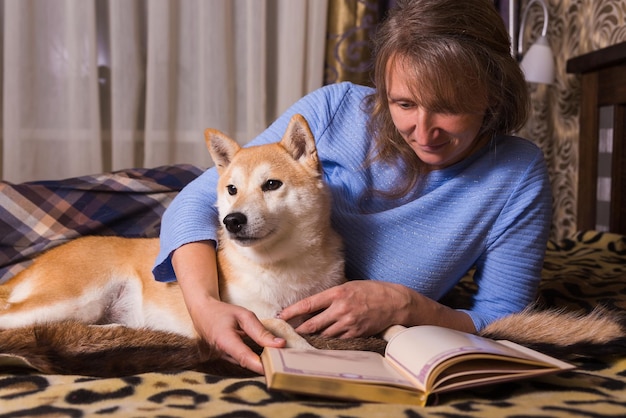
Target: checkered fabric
<point>39,215</point>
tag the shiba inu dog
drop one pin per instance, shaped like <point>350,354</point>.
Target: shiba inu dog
<point>276,247</point>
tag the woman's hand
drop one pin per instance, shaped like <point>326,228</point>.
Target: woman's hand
<point>223,326</point>
<point>355,308</point>
<point>219,324</point>
<point>367,307</point>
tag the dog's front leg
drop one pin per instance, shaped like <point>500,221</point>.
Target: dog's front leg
<point>282,329</point>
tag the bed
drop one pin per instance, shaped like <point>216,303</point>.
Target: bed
<point>579,272</point>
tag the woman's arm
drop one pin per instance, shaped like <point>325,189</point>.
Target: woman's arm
<point>220,324</point>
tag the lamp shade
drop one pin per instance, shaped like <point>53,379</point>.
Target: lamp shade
<point>538,62</point>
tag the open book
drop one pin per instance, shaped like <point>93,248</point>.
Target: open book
<point>418,361</point>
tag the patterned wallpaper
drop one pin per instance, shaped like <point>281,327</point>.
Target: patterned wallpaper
<point>576,27</point>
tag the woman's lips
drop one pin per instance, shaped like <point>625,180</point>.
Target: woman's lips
<point>431,147</point>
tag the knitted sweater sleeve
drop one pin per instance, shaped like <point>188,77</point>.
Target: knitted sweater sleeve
<point>509,270</point>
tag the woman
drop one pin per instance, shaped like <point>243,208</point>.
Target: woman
<point>425,184</point>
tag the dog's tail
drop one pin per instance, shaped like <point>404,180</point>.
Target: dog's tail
<point>106,351</point>
<point>566,335</point>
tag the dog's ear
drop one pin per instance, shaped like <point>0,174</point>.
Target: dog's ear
<point>300,143</point>
<point>221,148</point>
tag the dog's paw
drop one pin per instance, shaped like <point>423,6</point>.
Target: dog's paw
<point>282,329</point>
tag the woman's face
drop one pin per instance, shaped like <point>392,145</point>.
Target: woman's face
<point>438,139</point>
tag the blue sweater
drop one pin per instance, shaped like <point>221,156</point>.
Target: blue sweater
<point>490,211</point>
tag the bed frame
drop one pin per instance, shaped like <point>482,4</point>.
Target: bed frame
<point>603,83</point>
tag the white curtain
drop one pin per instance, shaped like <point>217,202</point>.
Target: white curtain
<point>98,85</point>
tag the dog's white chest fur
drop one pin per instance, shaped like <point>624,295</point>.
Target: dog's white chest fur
<point>267,291</point>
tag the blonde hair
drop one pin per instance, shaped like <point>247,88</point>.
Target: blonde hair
<point>459,54</point>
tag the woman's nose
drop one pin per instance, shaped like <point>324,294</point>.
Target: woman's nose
<point>425,126</point>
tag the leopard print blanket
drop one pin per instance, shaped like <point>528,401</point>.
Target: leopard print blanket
<point>579,273</point>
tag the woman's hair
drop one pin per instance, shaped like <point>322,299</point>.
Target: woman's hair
<point>460,58</point>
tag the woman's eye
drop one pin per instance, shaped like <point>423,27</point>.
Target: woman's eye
<point>271,185</point>
<point>232,190</point>
<point>401,104</point>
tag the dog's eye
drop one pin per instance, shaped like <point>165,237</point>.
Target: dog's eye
<point>232,190</point>
<point>271,185</point>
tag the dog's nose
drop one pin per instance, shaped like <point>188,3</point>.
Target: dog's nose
<point>235,221</point>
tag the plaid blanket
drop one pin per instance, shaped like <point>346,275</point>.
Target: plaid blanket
<point>36,216</point>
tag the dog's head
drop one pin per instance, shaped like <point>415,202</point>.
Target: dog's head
<point>267,194</point>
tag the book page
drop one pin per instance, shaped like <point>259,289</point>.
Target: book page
<point>348,375</point>
<point>537,355</point>
<point>475,372</point>
<point>363,366</point>
<point>424,352</point>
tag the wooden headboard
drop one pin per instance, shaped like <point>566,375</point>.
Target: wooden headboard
<point>603,83</point>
